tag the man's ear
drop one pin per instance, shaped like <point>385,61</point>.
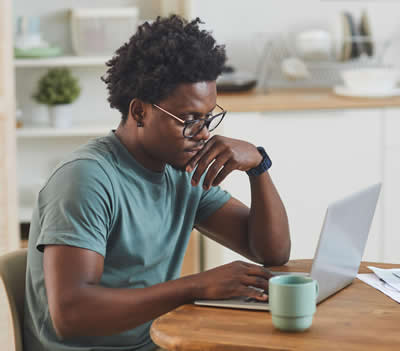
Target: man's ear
<point>137,111</point>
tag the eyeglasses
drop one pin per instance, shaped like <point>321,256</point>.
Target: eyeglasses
<point>193,127</point>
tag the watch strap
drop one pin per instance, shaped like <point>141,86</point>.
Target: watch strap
<point>264,165</point>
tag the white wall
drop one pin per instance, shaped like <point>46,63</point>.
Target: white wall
<point>240,23</point>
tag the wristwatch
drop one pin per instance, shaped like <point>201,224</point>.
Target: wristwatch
<point>264,166</point>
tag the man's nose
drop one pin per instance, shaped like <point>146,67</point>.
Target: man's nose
<point>204,134</point>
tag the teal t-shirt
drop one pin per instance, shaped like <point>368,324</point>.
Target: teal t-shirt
<point>102,199</point>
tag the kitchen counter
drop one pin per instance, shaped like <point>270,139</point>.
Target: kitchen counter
<point>293,99</point>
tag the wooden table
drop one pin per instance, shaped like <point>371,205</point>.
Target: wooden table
<point>358,317</point>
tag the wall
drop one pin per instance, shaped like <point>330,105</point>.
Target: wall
<point>241,24</point>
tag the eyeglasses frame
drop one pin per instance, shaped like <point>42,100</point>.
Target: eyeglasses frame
<point>206,122</point>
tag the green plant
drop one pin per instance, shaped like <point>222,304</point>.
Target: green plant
<point>57,87</point>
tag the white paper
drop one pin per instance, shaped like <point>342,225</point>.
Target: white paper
<point>388,275</point>
<point>374,281</point>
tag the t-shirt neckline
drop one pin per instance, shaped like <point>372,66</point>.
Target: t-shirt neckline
<point>153,176</point>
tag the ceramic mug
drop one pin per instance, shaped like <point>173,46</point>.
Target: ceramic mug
<point>292,300</point>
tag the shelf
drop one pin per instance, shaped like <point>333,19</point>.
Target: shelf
<point>65,132</point>
<point>25,214</point>
<point>62,61</point>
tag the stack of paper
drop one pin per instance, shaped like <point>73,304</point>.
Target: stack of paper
<point>385,280</point>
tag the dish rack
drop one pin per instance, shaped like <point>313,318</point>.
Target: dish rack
<point>323,73</point>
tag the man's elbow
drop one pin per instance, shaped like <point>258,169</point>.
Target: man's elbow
<point>281,258</point>
<point>64,319</point>
<point>278,256</point>
<point>283,254</point>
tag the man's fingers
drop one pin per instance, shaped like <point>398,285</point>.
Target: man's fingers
<point>203,163</point>
<point>256,282</point>
<point>214,170</point>
<point>254,294</point>
<point>195,159</point>
<point>228,168</point>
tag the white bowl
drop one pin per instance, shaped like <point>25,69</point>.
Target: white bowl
<point>371,79</point>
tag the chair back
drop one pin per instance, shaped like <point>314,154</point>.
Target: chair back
<point>12,272</point>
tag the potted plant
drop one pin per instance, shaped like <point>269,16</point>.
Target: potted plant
<point>58,89</point>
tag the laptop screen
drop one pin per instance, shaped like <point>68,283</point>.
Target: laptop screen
<point>343,239</point>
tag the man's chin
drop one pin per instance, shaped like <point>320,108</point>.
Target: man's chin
<point>178,167</point>
<point>181,164</point>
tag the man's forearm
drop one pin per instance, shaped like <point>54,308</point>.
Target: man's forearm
<point>94,310</point>
<point>97,310</point>
<point>268,228</point>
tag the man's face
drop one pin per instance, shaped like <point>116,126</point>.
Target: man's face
<point>163,139</point>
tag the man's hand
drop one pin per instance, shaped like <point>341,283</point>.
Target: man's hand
<point>222,155</point>
<point>232,280</point>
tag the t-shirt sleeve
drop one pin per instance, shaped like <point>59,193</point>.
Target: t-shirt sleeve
<point>211,200</point>
<point>75,207</point>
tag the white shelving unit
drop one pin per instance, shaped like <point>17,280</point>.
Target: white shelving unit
<point>70,61</point>
<point>27,137</point>
<point>66,132</point>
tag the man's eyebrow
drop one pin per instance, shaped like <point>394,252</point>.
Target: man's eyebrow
<point>196,113</point>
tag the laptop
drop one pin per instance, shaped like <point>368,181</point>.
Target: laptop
<point>339,252</point>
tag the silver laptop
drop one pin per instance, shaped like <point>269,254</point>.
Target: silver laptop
<point>339,252</point>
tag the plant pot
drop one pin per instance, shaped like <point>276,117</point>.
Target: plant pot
<point>60,116</point>
<point>39,116</point>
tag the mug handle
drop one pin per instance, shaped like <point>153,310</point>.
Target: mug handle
<point>316,289</point>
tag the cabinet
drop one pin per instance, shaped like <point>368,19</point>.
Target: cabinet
<point>391,203</point>
<point>318,157</point>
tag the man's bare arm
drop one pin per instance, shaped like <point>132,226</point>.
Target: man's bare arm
<point>261,233</point>
<point>80,306</point>
<point>269,236</point>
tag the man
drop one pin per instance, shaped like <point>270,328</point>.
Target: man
<point>111,224</point>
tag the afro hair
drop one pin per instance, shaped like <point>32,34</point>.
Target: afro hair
<point>160,56</point>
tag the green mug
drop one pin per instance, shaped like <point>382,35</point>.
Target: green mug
<point>292,300</point>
